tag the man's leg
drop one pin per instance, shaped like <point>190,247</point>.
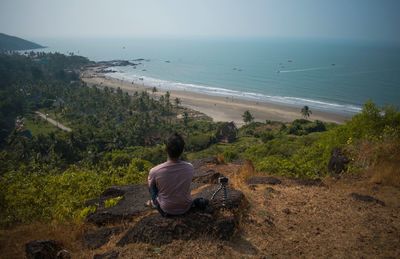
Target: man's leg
<point>153,193</point>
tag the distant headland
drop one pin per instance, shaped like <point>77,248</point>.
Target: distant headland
<point>11,43</point>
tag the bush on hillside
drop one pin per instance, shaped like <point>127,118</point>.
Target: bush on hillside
<point>35,196</point>
<point>304,127</point>
<point>199,142</point>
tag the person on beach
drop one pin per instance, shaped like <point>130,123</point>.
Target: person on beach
<point>169,182</point>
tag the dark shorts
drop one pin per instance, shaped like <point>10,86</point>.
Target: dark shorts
<point>200,203</point>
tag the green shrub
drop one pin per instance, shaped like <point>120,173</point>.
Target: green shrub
<point>37,196</point>
<point>230,155</point>
<point>112,202</point>
<point>198,142</point>
<point>86,211</point>
<point>267,136</point>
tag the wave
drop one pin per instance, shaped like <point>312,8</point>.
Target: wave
<point>304,69</point>
<point>217,91</point>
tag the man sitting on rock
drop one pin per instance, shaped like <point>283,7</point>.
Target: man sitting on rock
<point>169,182</point>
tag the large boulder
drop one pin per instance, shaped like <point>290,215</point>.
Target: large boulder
<point>338,162</point>
<point>218,220</point>
<point>158,230</point>
<point>132,203</point>
<point>227,132</point>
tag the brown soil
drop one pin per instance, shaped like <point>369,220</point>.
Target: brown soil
<point>284,220</point>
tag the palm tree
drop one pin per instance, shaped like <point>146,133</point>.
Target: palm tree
<point>177,101</point>
<point>185,118</point>
<point>247,117</point>
<point>306,112</point>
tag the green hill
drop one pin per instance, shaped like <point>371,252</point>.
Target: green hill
<point>8,42</point>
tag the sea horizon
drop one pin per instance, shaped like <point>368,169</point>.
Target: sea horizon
<point>328,75</point>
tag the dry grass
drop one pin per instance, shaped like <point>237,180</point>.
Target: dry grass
<point>242,174</point>
<point>289,220</point>
<point>12,241</point>
<point>379,160</point>
<point>387,173</point>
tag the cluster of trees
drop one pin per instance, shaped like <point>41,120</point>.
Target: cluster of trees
<point>248,117</point>
<point>113,135</point>
<point>102,120</point>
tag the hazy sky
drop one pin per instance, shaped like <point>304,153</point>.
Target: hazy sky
<point>376,20</point>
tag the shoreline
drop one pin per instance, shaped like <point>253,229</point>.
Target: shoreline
<point>217,107</point>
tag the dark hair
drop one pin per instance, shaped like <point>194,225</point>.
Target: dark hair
<point>175,145</point>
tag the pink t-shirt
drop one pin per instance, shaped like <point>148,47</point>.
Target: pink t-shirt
<point>173,179</point>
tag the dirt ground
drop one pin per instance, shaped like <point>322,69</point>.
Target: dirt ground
<point>284,220</point>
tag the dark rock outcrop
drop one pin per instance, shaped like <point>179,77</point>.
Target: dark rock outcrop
<point>366,198</point>
<point>132,203</point>
<point>263,180</point>
<point>207,177</point>
<point>116,63</point>
<point>216,221</point>
<point>45,249</point>
<point>308,182</point>
<point>96,238</point>
<point>227,132</point>
<point>338,162</point>
<point>203,175</point>
<point>199,163</point>
<point>107,255</point>
<point>158,230</point>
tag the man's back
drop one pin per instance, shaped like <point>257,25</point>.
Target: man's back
<point>173,179</point>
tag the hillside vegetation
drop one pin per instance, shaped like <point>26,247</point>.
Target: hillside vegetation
<point>48,174</point>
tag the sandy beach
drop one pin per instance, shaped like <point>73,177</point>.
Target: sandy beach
<point>217,107</point>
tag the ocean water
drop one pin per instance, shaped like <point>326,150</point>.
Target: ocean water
<point>330,75</point>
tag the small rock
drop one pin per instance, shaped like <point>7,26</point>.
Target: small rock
<point>107,255</point>
<point>263,180</point>
<point>286,211</point>
<point>270,190</point>
<point>252,187</point>
<point>366,198</point>
<point>269,220</point>
<point>270,193</point>
<point>45,249</point>
<point>309,182</point>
